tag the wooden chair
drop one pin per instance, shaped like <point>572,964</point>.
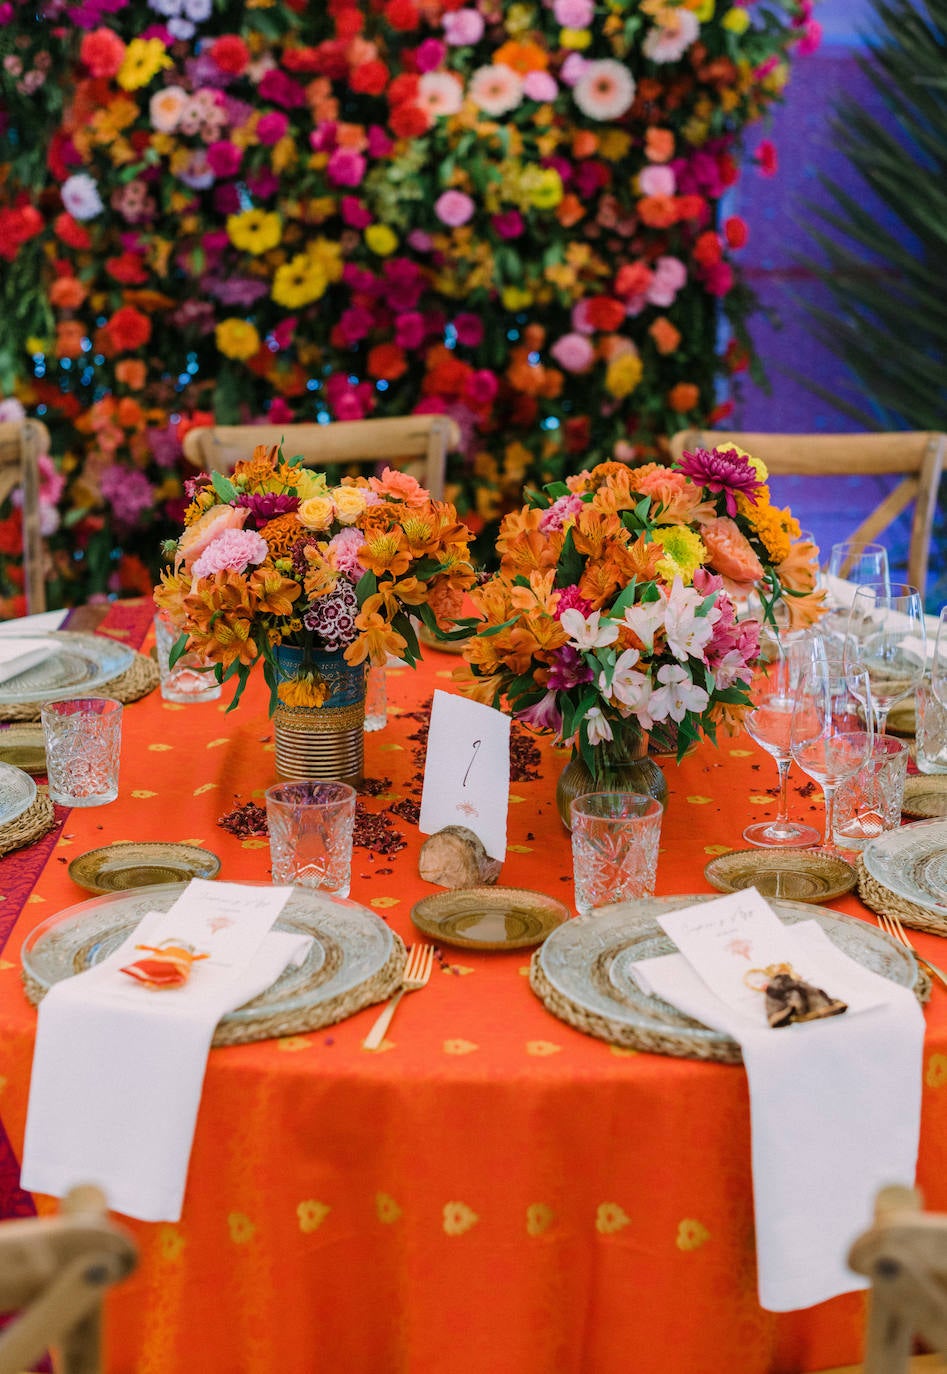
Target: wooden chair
<point>917,457</point>
<point>21,443</point>
<point>904,1254</point>
<point>53,1273</point>
<point>425,439</point>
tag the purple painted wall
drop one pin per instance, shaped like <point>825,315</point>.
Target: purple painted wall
<point>777,211</point>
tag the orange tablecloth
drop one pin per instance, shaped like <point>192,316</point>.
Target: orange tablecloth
<point>493,1194</point>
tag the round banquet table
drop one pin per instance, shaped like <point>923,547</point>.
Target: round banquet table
<point>495,1192</point>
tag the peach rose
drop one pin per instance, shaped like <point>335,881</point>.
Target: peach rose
<point>206,529</point>
<point>730,552</point>
<point>349,504</point>
<point>317,513</point>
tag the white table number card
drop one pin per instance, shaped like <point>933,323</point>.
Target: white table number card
<point>467,771</point>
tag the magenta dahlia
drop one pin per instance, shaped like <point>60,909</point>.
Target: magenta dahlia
<point>722,469</point>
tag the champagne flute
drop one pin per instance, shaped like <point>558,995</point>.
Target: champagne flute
<point>887,639</point>
<point>939,662</point>
<point>827,736</point>
<point>773,695</point>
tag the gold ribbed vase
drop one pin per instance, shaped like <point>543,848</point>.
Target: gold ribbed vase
<point>324,742</point>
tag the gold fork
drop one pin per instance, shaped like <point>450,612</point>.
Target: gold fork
<point>893,927</point>
<point>417,971</point>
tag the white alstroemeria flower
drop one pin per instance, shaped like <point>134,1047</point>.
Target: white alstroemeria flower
<point>677,694</point>
<point>598,727</point>
<point>730,667</point>
<point>646,619</point>
<point>631,689</point>
<point>686,632</point>
<point>588,634</point>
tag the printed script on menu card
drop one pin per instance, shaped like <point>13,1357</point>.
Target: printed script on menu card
<point>467,771</point>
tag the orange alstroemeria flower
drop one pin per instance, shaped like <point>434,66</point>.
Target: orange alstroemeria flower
<point>486,690</point>
<point>385,551</point>
<point>274,593</point>
<point>376,641</point>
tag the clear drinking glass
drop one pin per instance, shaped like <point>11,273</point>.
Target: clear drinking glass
<point>829,736</point>
<point>83,739</point>
<point>615,839</point>
<point>311,827</point>
<point>887,640</point>
<point>869,802</point>
<point>773,697</point>
<point>189,679</point>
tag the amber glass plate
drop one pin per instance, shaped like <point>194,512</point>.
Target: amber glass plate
<point>798,875</point>
<point>925,796</point>
<point>117,867</point>
<point>489,917</point>
<point>24,747</point>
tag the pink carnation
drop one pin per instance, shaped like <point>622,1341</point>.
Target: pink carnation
<point>463,28</point>
<point>541,86</point>
<point>454,208</point>
<point>565,508</point>
<point>343,552</point>
<point>573,352</point>
<point>232,551</point>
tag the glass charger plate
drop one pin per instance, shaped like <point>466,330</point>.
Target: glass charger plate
<point>24,747</point>
<point>577,961</point>
<point>117,867</point>
<point>925,796</point>
<point>912,863</point>
<point>17,792</point>
<point>81,664</point>
<point>799,875</point>
<point>354,958</point>
<point>489,917</point>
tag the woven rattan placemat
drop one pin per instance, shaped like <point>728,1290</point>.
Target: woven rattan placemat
<point>31,825</point>
<point>136,682</point>
<point>881,898</point>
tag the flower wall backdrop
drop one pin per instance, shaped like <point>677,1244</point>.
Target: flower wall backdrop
<point>507,212</point>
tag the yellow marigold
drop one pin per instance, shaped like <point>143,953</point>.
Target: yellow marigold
<point>777,529</point>
<point>327,255</point>
<point>281,534</point>
<point>144,59</point>
<point>623,374</point>
<point>255,231</point>
<point>684,552</point>
<point>381,240</point>
<point>299,282</point>
<point>237,339</point>
<point>307,690</point>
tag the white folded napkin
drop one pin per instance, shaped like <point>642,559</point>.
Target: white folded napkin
<point>834,1112</point>
<point>17,654</point>
<point>841,594</point>
<point>118,1070</point>
<point>33,624</point>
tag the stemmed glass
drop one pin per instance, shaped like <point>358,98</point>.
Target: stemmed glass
<point>827,736</point>
<point>887,639</point>
<point>773,696</point>
<point>855,564</point>
<point>939,662</point>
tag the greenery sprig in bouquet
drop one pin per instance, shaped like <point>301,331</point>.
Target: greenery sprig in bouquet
<point>615,607</point>
<point>273,555</point>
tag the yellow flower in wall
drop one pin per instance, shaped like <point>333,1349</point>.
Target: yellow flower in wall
<point>255,231</point>
<point>328,256</point>
<point>623,374</point>
<point>237,339</point>
<point>144,59</point>
<point>543,186</point>
<point>736,20</point>
<point>381,240</point>
<point>298,282</point>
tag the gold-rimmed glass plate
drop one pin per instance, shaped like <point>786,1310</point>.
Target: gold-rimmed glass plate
<point>118,867</point>
<point>17,792</point>
<point>80,664</point>
<point>902,719</point>
<point>586,963</point>
<point>23,746</point>
<point>798,875</point>
<point>489,917</point>
<point>912,863</point>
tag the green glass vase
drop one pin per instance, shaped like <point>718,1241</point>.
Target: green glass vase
<point>621,765</point>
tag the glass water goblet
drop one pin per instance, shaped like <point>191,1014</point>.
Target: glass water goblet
<point>828,737</point>
<point>852,564</point>
<point>939,661</point>
<point>887,640</point>
<point>773,696</point>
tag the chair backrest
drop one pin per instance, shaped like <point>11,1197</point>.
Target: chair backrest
<point>904,1254</point>
<point>54,1272</point>
<point>21,443</point>
<point>418,443</point>
<point>916,456</point>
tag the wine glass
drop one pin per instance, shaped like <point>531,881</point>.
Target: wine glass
<point>852,564</point>
<point>827,736</point>
<point>939,661</point>
<point>887,639</point>
<point>773,695</point>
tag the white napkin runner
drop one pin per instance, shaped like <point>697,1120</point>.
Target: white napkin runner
<point>834,1114</point>
<point>18,653</point>
<point>118,1070</point>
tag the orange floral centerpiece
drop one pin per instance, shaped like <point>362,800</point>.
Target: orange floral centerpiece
<point>277,567</point>
<point>614,612</point>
